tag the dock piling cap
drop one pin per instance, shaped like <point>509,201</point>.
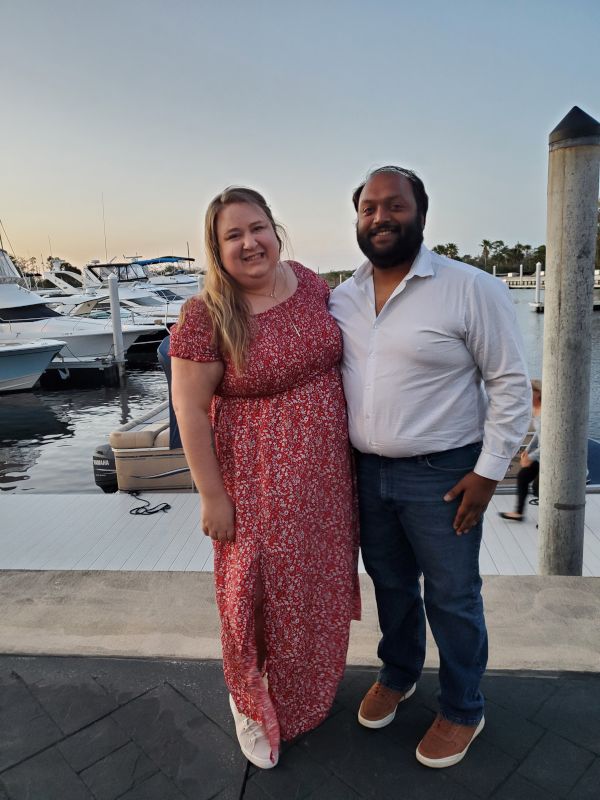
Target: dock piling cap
<point>576,125</point>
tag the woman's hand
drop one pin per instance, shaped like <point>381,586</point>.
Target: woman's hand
<point>218,517</point>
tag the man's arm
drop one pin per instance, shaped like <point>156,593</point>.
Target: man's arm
<point>494,340</point>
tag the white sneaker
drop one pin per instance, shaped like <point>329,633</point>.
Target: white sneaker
<point>253,739</point>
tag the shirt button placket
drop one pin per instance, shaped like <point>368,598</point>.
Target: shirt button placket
<point>369,384</point>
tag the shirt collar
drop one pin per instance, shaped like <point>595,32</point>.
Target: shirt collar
<point>421,266</point>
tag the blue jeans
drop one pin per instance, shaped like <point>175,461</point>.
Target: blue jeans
<point>406,530</point>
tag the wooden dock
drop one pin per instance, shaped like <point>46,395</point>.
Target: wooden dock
<point>514,281</point>
<point>97,532</point>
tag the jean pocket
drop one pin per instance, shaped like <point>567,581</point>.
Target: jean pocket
<point>456,461</point>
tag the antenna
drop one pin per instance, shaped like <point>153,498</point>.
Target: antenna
<point>104,225</point>
<point>12,249</point>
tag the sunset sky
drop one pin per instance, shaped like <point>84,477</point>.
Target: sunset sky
<point>157,106</point>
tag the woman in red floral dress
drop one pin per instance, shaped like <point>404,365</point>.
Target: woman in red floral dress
<point>259,401</point>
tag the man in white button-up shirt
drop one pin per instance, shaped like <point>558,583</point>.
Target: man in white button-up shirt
<point>438,403</point>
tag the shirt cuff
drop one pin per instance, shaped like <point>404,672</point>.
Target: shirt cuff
<point>492,467</point>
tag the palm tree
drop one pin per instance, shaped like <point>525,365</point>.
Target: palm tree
<point>486,248</point>
<point>498,248</point>
<point>450,250</point>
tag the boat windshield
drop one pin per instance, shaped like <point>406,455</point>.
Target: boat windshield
<point>27,313</point>
<point>145,301</point>
<point>124,272</point>
<point>167,294</point>
<point>70,278</point>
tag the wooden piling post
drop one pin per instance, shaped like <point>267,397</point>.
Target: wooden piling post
<point>573,171</point>
<point>115,314</point>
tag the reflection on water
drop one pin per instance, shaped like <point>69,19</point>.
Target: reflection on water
<point>47,437</point>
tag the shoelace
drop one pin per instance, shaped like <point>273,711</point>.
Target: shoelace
<point>253,728</point>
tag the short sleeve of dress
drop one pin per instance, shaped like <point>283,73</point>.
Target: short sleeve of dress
<point>192,336</point>
<point>317,284</point>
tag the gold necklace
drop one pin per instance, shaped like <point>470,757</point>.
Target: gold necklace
<point>272,295</point>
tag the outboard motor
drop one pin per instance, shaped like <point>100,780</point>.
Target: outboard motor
<point>105,470</point>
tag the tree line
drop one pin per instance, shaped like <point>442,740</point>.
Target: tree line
<point>506,258</point>
<point>496,253</point>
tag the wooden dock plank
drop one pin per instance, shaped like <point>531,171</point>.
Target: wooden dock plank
<point>154,543</point>
<point>511,537</point>
<point>188,552</point>
<point>188,521</point>
<point>202,560</point>
<point>138,528</point>
<point>38,518</point>
<point>75,539</point>
<point>111,541</point>
<point>57,527</point>
<point>96,531</point>
<point>103,539</point>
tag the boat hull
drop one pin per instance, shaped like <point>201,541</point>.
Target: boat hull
<point>22,363</point>
<point>84,339</point>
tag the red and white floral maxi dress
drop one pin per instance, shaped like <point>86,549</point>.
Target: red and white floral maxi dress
<point>282,443</point>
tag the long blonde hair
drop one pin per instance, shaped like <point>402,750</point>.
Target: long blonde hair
<point>227,307</point>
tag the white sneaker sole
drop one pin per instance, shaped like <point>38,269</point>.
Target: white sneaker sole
<point>381,723</point>
<point>449,761</point>
<point>261,763</point>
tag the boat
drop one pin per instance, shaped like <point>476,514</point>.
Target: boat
<point>140,457</point>
<point>26,315</point>
<point>88,344</point>
<point>179,281</point>
<point>146,454</point>
<point>139,272</point>
<point>22,362</point>
<point>139,305</point>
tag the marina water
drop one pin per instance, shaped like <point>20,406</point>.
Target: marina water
<point>47,438</point>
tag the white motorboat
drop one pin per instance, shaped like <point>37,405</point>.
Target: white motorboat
<point>139,305</point>
<point>22,362</point>
<point>96,274</point>
<point>59,281</point>
<point>25,315</point>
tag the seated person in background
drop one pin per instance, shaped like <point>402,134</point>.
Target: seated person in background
<point>530,457</point>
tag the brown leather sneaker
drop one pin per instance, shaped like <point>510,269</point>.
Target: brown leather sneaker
<point>378,707</point>
<point>446,743</point>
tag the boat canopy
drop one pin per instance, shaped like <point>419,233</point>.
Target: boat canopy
<point>146,262</point>
<point>131,271</point>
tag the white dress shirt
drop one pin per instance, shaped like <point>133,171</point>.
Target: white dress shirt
<point>441,366</point>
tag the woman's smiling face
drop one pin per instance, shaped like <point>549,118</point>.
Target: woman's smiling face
<point>248,245</point>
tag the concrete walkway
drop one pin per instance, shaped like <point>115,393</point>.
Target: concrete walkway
<point>539,623</point>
